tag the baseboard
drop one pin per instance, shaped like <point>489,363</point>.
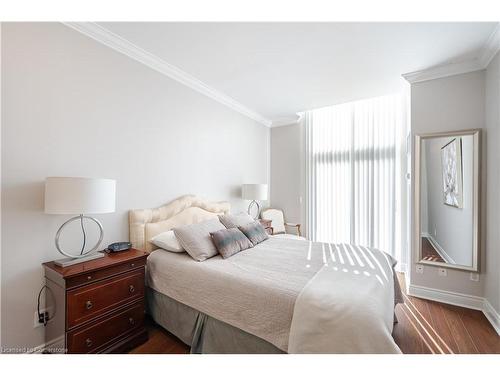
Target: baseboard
<point>452,298</point>
<point>492,315</point>
<point>458,299</point>
<point>51,346</point>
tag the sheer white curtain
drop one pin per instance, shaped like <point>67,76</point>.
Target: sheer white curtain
<point>353,173</point>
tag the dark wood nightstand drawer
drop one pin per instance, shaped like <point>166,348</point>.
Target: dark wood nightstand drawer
<point>104,273</point>
<point>94,337</point>
<point>96,299</point>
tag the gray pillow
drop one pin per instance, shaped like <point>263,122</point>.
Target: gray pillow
<point>230,241</point>
<point>234,221</point>
<point>255,232</point>
<point>196,240</point>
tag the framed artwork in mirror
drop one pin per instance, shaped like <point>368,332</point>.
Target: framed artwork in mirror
<point>451,162</point>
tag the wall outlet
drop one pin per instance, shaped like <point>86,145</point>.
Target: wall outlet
<point>474,276</point>
<point>442,272</point>
<point>420,268</point>
<point>48,313</point>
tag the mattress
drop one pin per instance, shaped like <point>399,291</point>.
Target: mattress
<point>254,290</point>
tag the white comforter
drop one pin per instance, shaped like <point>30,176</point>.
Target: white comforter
<point>256,290</point>
<point>347,307</point>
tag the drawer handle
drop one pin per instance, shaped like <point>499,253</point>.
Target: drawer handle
<point>88,342</point>
<point>131,289</point>
<point>89,305</point>
<point>132,264</point>
<point>89,277</point>
<point>131,321</point>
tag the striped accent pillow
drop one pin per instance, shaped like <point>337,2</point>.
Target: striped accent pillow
<point>230,241</point>
<point>255,232</point>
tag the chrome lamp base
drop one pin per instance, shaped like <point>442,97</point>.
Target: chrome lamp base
<point>84,255</point>
<point>65,262</point>
<point>254,203</point>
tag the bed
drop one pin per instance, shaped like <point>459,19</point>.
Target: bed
<point>282,296</point>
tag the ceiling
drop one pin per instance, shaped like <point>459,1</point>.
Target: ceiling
<point>279,69</point>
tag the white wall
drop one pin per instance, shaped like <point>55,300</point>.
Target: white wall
<point>491,260</point>
<point>287,171</point>
<point>73,107</point>
<point>445,104</point>
<point>450,227</point>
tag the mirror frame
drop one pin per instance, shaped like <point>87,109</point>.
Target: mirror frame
<point>476,199</point>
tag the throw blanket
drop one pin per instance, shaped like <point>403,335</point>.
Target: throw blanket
<point>348,306</point>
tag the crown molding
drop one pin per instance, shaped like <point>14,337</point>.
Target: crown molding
<point>133,51</point>
<point>486,54</point>
<point>284,121</point>
<point>442,71</point>
<point>491,47</point>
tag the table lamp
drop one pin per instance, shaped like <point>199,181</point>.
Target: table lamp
<point>255,193</point>
<point>79,196</point>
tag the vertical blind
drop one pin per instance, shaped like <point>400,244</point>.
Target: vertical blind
<point>353,172</point>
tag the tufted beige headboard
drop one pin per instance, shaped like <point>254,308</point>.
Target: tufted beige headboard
<point>188,209</point>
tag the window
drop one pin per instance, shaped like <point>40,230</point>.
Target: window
<point>353,173</point>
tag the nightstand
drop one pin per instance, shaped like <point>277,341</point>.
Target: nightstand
<point>99,304</point>
<point>267,225</point>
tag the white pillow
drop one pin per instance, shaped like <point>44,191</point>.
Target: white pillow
<point>235,221</point>
<point>196,239</point>
<point>168,241</point>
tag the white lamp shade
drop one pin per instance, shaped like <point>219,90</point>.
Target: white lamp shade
<point>79,195</point>
<point>256,192</point>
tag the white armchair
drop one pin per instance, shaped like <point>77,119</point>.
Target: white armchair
<point>278,221</point>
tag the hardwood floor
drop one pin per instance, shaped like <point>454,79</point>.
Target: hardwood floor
<point>424,327</point>
<point>160,342</point>
<point>432,327</point>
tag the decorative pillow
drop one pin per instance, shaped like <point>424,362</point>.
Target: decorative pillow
<point>255,232</point>
<point>168,241</point>
<point>230,241</point>
<point>195,238</point>
<point>234,221</point>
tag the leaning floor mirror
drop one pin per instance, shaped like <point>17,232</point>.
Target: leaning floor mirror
<point>448,199</point>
